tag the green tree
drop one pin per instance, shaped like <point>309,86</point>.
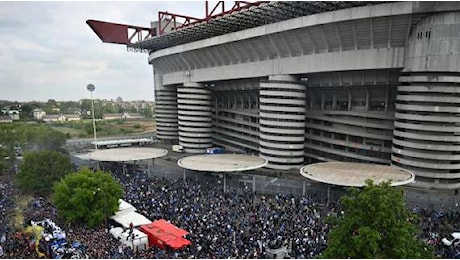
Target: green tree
<point>44,138</point>
<point>40,169</point>
<point>87,197</point>
<point>31,136</point>
<point>147,112</point>
<point>6,159</point>
<point>27,108</point>
<point>375,224</point>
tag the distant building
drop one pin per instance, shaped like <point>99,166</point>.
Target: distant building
<point>61,118</point>
<point>54,118</point>
<point>6,119</point>
<point>74,110</point>
<point>38,114</point>
<point>12,112</point>
<point>55,109</point>
<point>124,115</point>
<point>112,116</point>
<point>127,115</point>
<point>72,117</point>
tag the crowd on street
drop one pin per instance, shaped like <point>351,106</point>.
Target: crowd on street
<point>435,225</point>
<point>232,224</point>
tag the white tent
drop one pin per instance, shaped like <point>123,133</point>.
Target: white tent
<point>126,218</point>
<point>124,207</point>
<point>140,241</point>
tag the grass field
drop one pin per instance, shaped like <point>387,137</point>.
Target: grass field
<point>84,129</point>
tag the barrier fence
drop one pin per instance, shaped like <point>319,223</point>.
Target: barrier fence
<point>276,185</point>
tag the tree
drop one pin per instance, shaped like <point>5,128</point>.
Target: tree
<point>6,159</point>
<point>40,169</point>
<point>147,112</point>
<point>44,138</point>
<point>87,196</point>
<point>375,224</point>
<point>27,108</point>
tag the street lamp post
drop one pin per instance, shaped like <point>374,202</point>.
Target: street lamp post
<point>90,87</point>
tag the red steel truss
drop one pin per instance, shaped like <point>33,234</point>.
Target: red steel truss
<point>165,18</point>
<point>125,34</point>
<point>175,29</point>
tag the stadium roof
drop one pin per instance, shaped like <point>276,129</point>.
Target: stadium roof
<point>126,154</point>
<point>222,162</point>
<point>265,13</point>
<point>355,174</point>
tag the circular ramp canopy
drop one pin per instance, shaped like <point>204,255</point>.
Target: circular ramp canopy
<point>355,174</point>
<point>126,154</point>
<point>222,162</point>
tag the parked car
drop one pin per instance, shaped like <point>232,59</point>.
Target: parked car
<point>452,239</point>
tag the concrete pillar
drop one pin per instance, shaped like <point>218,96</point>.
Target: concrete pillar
<point>427,117</point>
<point>194,105</point>
<point>282,122</point>
<point>165,110</point>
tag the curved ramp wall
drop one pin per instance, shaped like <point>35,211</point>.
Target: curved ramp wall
<point>165,110</point>
<point>166,113</point>
<point>282,122</point>
<point>194,116</point>
<point>427,125</point>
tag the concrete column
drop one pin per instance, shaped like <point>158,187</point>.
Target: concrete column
<point>282,122</point>
<point>427,117</point>
<point>165,110</point>
<point>194,103</point>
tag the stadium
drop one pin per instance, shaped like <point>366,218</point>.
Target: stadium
<point>304,82</point>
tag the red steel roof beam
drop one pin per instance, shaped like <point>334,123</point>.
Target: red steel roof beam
<point>117,33</point>
<point>238,6</point>
<point>173,17</point>
<point>209,14</point>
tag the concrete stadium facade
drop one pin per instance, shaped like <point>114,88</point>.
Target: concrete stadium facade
<point>375,84</point>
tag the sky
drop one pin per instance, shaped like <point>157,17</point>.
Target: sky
<point>47,51</point>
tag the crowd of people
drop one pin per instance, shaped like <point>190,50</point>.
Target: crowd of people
<point>436,224</point>
<point>232,224</point>
<point>7,197</point>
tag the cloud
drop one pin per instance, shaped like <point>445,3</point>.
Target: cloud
<point>48,51</point>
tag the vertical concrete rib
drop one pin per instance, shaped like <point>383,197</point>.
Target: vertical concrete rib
<point>282,122</point>
<point>165,110</point>
<point>166,113</point>
<point>427,125</point>
<point>194,116</point>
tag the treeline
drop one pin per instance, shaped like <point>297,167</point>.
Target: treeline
<point>18,138</point>
<point>72,107</point>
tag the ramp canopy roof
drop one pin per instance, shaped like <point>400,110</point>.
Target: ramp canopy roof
<point>126,154</point>
<point>355,174</point>
<point>161,233</point>
<point>126,218</point>
<point>124,207</point>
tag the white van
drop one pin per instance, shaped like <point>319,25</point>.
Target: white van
<point>139,241</point>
